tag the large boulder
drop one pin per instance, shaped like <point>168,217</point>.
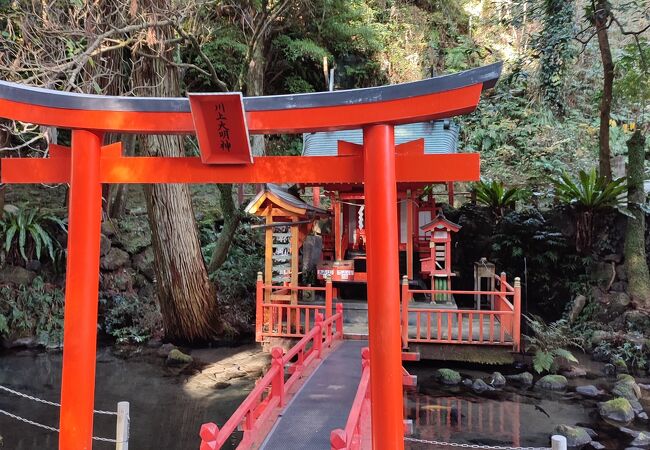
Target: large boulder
<point>104,245</point>
<point>497,380</point>
<point>524,378</point>
<point>617,410</point>
<point>552,383</point>
<point>578,305</point>
<point>479,386</point>
<point>626,387</point>
<point>590,391</point>
<point>642,439</point>
<point>16,275</point>
<point>576,437</point>
<point>114,259</point>
<point>447,376</point>
<point>574,372</point>
<point>143,263</point>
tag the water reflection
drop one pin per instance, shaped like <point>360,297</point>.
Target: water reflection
<point>454,419</point>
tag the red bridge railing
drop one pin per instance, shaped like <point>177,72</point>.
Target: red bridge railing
<point>351,438</point>
<point>272,389</point>
<point>499,326</point>
<point>275,318</point>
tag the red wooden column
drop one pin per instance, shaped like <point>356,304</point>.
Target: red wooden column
<point>383,288</point>
<point>81,293</point>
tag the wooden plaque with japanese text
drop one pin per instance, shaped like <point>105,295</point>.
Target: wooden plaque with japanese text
<point>221,128</point>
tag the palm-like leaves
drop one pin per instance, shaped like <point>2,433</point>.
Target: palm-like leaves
<point>26,230</point>
<point>590,191</point>
<point>495,196</point>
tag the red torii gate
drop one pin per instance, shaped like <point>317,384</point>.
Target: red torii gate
<point>88,164</point>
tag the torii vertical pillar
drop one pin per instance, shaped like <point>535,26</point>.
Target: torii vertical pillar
<point>383,288</point>
<point>81,293</point>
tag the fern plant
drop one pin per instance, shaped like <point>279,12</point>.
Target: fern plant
<point>550,341</point>
<point>495,196</point>
<point>27,232</point>
<point>587,194</point>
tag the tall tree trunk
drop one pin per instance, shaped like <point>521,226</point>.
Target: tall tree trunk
<point>231,214</point>
<point>635,255</point>
<point>255,86</point>
<point>116,196</point>
<point>602,16</point>
<point>231,218</point>
<point>109,73</point>
<point>187,298</point>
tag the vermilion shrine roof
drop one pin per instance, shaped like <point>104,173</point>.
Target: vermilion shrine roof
<point>441,220</point>
<point>285,200</point>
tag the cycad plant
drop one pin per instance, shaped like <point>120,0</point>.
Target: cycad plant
<point>495,196</point>
<point>27,232</point>
<point>587,194</point>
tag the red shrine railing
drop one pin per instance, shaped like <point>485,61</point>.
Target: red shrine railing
<point>498,326</point>
<point>358,424</point>
<point>274,318</point>
<point>270,393</point>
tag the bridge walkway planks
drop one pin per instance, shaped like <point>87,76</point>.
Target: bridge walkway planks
<point>322,404</point>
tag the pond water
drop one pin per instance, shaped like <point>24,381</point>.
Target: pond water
<point>168,408</point>
<point>512,416</point>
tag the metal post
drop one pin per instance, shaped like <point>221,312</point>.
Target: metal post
<point>259,309</point>
<point>558,442</point>
<point>383,288</point>
<point>122,431</point>
<point>328,307</point>
<point>81,293</point>
<point>406,298</point>
<point>339,320</point>
<point>516,320</point>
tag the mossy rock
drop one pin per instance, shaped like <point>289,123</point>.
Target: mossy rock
<point>448,376</point>
<point>617,410</point>
<point>627,387</point>
<point>524,378</point>
<point>178,358</point>
<point>552,383</point>
<point>575,436</point>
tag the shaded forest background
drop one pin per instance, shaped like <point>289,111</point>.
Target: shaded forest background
<point>545,117</point>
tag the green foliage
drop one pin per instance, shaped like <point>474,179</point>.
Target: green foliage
<point>550,341</point>
<point>299,50</point>
<point>632,83</point>
<point>32,311</point>
<point>495,196</point>
<point>27,231</point>
<point>589,191</point>
<point>634,354</point>
<point>555,50</point>
<point>130,318</point>
<point>588,194</point>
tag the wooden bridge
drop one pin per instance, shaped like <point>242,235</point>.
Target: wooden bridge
<point>317,394</point>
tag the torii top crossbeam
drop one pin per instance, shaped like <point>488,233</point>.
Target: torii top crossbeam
<point>379,164</point>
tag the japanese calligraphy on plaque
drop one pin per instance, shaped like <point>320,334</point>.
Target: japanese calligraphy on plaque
<point>221,129</point>
<point>281,254</point>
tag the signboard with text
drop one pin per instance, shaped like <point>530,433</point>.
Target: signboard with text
<point>221,128</point>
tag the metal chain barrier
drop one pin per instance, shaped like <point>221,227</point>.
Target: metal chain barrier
<point>56,430</point>
<point>47,402</point>
<point>489,447</point>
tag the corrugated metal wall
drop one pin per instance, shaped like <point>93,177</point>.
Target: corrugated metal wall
<point>440,136</point>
